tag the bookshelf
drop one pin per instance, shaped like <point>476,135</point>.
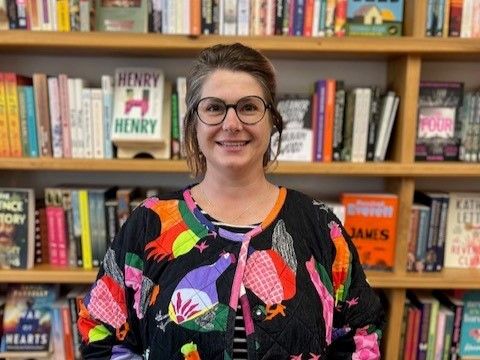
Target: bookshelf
<point>403,59</point>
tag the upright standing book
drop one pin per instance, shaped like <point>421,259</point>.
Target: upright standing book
<point>371,221</point>
<point>17,228</point>
<point>296,143</point>
<point>462,244</point>
<point>27,318</point>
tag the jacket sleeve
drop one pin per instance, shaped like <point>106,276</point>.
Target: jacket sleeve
<point>358,316</point>
<point>109,316</point>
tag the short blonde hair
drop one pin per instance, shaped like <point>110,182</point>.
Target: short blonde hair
<point>234,57</point>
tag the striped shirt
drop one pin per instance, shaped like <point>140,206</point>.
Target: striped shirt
<point>240,351</point>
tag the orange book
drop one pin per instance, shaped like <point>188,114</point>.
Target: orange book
<point>308,18</point>
<point>371,221</point>
<point>5,143</point>
<point>195,17</point>
<point>13,116</point>
<point>329,120</point>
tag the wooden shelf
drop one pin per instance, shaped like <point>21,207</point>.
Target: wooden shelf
<point>384,169</point>
<point>104,43</point>
<point>447,279</point>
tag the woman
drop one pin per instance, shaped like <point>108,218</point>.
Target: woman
<point>233,267</point>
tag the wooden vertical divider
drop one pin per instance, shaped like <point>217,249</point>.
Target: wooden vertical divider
<point>391,338</point>
<point>404,78</point>
<point>414,19</point>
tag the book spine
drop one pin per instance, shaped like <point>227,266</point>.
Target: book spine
<point>13,116</point>
<point>348,126</point>
<point>298,18</point>
<point>330,18</point>
<point>85,226</point>
<point>320,88</point>
<point>107,91</point>
<point>61,236</point>
<point>67,332</point>
<point>111,218</point>
<point>341,18</point>
<point>65,115</point>
<point>40,88</point>
<point>74,10</point>
<point>442,228</point>
<point>12,15</point>
<point>338,122</point>
<point>97,132</point>
<point>455,23</point>
<point>86,15</point>
<point>31,121</point>
<point>55,120</point>
<point>86,115</point>
<point>329,120</point>
<point>4,145</point>
<point>279,11</point>
<point>243,17</point>
<point>52,236</point>
<point>97,245</point>
<point>71,243</point>
<point>424,326</point>
<point>63,16</point>
<point>429,23</point>
<point>412,239</point>
<point>373,124</point>
<point>73,312</point>
<point>77,226</point>
<point>360,124</point>
<point>22,22</point>
<point>22,115</point>
<point>207,17</point>
<point>308,18</point>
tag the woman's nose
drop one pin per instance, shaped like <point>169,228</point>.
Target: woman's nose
<point>231,121</point>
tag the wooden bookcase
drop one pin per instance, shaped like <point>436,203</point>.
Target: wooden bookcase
<point>403,58</point>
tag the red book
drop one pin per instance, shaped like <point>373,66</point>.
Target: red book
<point>340,17</point>
<point>455,25</point>
<point>52,236</point>
<point>308,18</point>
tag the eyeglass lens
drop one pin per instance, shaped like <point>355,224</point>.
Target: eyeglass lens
<point>213,110</point>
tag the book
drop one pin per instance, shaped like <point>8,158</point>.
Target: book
<point>470,331</point>
<point>28,318</point>
<point>138,115</point>
<point>374,17</point>
<point>436,137</point>
<point>17,228</point>
<point>116,15</point>
<point>371,221</point>
<point>296,142</point>
<point>463,231</point>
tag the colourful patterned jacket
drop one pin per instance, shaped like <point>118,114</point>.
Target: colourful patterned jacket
<point>171,281</point>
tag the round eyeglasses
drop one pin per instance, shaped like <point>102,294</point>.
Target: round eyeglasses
<point>249,109</point>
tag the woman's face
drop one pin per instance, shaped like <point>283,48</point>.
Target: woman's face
<point>233,145</point>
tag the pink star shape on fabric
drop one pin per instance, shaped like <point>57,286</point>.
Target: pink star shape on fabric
<point>352,302</point>
<point>202,246</point>
<point>314,357</point>
<point>296,357</point>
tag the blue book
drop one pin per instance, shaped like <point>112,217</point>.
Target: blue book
<point>470,331</point>
<point>31,121</point>
<point>320,89</point>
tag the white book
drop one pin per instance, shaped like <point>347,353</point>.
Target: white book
<point>387,106</point>
<point>55,120</point>
<point>179,12</point>
<point>467,18</point>
<point>98,139</point>
<point>52,14</point>
<point>391,120</point>
<point>172,16</point>
<point>85,9</point>
<point>165,17</point>
<point>77,120</point>
<point>316,17</point>
<point>182,110</point>
<point>87,123</point>
<point>243,17</point>
<point>138,106</point>
<point>186,14</point>
<point>463,227</point>
<point>338,209</point>
<point>229,17</point>
<point>221,17</point>
<point>72,109</point>
<point>363,98</point>
<point>107,91</point>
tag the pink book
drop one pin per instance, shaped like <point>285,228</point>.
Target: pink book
<point>52,235</point>
<point>61,236</point>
